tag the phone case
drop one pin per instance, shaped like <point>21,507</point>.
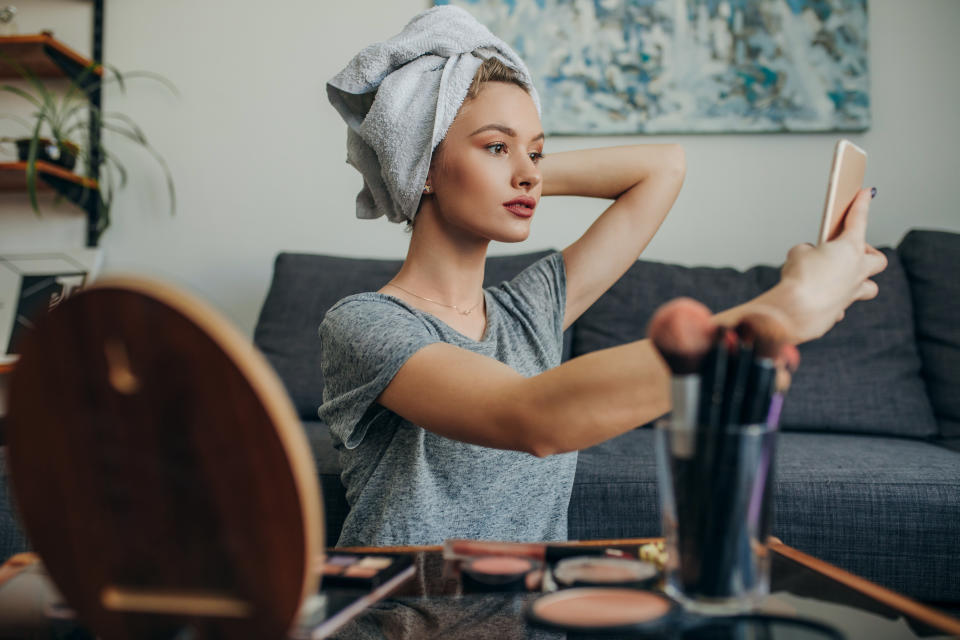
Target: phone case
<point>846,180</point>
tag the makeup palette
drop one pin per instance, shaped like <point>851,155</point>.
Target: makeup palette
<point>605,572</point>
<point>498,573</point>
<point>347,570</point>
<point>591,612</point>
<point>603,610</point>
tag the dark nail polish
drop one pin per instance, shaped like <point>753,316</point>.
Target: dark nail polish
<point>873,192</point>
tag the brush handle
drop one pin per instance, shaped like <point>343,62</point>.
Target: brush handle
<point>756,402</point>
<point>739,368</point>
<point>702,484</point>
<point>685,398</point>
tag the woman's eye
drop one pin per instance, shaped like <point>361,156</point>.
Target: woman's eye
<point>536,156</point>
<point>496,148</point>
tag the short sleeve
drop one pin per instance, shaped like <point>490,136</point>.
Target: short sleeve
<point>363,342</point>
<point>540,291</point>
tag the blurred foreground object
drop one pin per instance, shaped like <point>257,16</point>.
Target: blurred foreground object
<point>160,469</point>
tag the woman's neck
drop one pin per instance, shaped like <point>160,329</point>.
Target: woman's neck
<point>443,265</point>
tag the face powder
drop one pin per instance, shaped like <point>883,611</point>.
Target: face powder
<point>601,609</point>
<point>496,573</point>
<point>495,565</point>
<point>605,572</point>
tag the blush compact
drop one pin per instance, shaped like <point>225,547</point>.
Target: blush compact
<point>590,571</point>
<point>497,573</point>
<point>589,612</point>
<point>603,610</point>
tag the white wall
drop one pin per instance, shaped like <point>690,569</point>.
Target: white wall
<point>258,153</point>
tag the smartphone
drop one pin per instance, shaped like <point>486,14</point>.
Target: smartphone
<point>846,180</point>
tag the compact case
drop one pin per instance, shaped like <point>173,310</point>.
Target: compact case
<point>592,610</point>
<point>345,570</point>
<point>605,572</point>
<point>497,573</point>
<point>587,612</point>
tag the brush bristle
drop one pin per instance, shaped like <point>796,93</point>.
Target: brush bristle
<point>782,380</point>
<point>682,330</point>
<point>767,332</point>
<point>789,357</point>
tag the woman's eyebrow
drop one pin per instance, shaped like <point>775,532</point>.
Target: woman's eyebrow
<point>504,129</point>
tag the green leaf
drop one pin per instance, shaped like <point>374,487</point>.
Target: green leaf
<point>25,124</point>
<point>32,169</point>
<point>23,94</point>
<point>138,132</point>
<point>130,135</point>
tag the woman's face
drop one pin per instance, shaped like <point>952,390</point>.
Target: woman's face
<point>485,177</point>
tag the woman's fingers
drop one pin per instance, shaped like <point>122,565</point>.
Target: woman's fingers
<point>868,290</point>
<point>799,250</point>
<point>875,261</point>
<point>855,222</point>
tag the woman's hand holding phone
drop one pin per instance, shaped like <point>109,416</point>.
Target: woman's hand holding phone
<point>828,278</point>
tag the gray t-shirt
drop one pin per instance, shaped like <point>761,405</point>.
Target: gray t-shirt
<point>407,485</point>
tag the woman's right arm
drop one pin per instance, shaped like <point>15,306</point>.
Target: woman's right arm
<point>469,397</point>
<point>587,400</point>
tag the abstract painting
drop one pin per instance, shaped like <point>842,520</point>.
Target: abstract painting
<point>690,66</point>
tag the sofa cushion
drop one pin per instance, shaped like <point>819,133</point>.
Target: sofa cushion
<point>887,509</point>
<point>884,508</point>
<point>862,376</point>
<point>12,538</point>
<point>304,286</point>
<point>932,262</point>
<point>328,471</point>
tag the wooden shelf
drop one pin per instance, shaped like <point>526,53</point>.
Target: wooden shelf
<point>13,176</point>
<point>43,55</point>
<point>79,190</point>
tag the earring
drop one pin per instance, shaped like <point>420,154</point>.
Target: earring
<point>427,189</point>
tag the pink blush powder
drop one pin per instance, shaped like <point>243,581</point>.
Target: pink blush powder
<point>591,607</point>
<point>500,565</point>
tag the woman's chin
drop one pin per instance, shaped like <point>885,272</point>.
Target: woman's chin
<point>516,232</point>
<point>512,238</point>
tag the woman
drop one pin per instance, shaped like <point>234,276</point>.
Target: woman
<point>448,403</point>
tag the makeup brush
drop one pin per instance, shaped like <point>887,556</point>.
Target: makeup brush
<point>701,475</point>
<point>770,339</point>
<point>738,371</point>
<point>788,361</point>
<point>748,388</point>
<point>682,330</point>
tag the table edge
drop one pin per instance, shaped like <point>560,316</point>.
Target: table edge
<point>897,601</point>
<point>900,602</point>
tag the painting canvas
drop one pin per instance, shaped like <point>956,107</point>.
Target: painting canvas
<point>690,66</point>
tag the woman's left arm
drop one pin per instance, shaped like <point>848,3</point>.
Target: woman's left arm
<point>644,181</point>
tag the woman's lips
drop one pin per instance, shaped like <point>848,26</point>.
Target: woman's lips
<point>522,207</point>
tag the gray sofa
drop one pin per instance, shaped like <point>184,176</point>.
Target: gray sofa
<point>865,476</point>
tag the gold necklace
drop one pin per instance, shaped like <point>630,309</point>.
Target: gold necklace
<point>442,304</point>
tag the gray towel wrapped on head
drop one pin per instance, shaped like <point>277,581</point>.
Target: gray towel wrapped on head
<point>400,96</point>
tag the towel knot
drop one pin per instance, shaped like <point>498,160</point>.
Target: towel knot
<point>399,97</point>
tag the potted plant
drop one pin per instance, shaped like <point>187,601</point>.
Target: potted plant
<point>59,132</point>
<point>62,154</point>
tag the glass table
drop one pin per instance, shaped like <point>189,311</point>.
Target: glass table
<point>432,605</point>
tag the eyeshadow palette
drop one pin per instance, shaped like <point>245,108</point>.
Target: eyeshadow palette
<point>349,584</point>
<point>346,570</point>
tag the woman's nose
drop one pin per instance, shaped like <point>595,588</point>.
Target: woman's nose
<point>527,174</point>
